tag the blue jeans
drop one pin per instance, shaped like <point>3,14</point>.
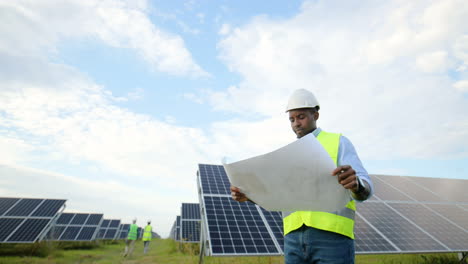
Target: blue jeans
<point>311,245</point>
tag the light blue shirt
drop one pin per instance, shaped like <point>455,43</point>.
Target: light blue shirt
<point>347,156</point>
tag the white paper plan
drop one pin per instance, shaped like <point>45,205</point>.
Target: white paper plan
<point>296,177</point>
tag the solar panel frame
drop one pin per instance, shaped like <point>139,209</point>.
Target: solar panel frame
<point>109,229</point>
<point>32,226</point>
<point>75,227</point>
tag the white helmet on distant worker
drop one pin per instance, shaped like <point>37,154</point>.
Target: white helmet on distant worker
<point>302,98</point>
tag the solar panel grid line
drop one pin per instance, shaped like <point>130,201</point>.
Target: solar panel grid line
<point>378,231</point>
<point>445,217</point>
<point>420,228</point>
<point>19,224</point>
<point>6,203</point>
<point>425,188</point>
<point>413,190</point>
<point>451,236</point>
<point>267,225</point>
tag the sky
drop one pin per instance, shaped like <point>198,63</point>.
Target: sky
<point>113,104</point>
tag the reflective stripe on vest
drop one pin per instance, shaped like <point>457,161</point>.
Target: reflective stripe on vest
<point>148,233</point>
<point>133,232</point>
<point>342,221</point>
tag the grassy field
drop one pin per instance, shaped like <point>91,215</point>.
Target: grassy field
<point>166,251</point>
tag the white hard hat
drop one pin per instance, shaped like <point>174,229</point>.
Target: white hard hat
<point>302,98</point>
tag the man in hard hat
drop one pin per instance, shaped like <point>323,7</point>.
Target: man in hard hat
<point>147,235</point>
<point>131,239</point>
<point>322,237</point>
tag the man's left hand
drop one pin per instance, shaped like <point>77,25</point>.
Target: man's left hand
<point>346,176</point>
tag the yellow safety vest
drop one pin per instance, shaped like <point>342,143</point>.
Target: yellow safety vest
<point>342,221</point>
<point>147,235</point>
<point>132,233</point>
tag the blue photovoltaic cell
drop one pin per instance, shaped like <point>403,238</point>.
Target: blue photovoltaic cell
<point>275,221</point>
<point>29,230</point>
<point>190,222</point>
<point>6,203</point>
<point>24,207</point>
<point>86,233</point>
<point>70,233</point>
<point>65,218</point>
<point>79,219</point>
<point>105,223</point>
<point>237,228</point>
<point>124,231</point>
<point>55,232</point>
<point>114,224</point>
<point>75,227</point>
<point>48,208</point>
<point>368,240</point>
<point>214,179</point>
<point>110,234</point>
<point>25,220</point>
<point>8,225</point>
<point>94,219</point>
<point>190,211</point>
<point>190,231</point>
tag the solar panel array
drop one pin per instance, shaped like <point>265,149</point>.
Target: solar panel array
<point>75,227</point>
<point>109,229</point>
<point>406,215</point>
<point>233,228</point>
<point>24,220</point>
<point>190,222</point>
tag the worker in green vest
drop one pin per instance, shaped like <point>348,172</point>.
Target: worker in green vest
<point>147,235</point>
<point>131,239</point>
<point>322,237</point>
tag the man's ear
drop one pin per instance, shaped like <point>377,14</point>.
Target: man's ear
<point>316,115</point>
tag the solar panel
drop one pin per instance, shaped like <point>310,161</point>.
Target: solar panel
<point>173,230</point>
<point>411,189</point>
<point>387,192</point>
<point>453,237</point>
<point>27,220</point>
<point>109,229</point>
<point>369,240</point>
<point>407,215</point>
<point>406,236</point>
<point>123,231</point>
<point>190,222</point>
<point>453,190</point>
<point>75,227</point>
<point>232,228</point>
<point>177,232</point>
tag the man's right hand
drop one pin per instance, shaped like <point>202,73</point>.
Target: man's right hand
<point>237,195</point>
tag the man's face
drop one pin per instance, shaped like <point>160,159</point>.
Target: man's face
<point>303,121</point>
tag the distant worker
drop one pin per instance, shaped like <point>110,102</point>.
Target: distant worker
<point>322,237</point>
<point>131,239</point>
<point>147,235</point>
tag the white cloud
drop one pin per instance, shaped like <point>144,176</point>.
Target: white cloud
<point>360,63</point>
<point>432,62</point>
<point>121,24</point>
<point>461,85</point>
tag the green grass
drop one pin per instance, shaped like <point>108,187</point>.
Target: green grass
<point>166,251</point>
